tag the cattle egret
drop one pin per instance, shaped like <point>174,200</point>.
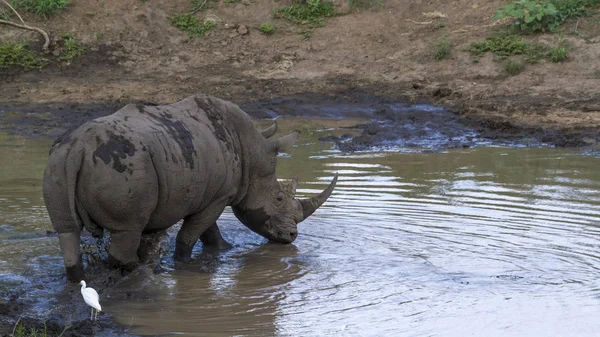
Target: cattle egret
<point>90,296</point>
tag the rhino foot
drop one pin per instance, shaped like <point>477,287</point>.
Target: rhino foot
<point>213,240</point>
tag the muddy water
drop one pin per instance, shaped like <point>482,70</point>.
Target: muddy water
<point>485,242</point>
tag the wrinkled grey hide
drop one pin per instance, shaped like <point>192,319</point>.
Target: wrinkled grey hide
<point>144,168</point>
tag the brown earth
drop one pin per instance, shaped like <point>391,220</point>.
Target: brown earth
<point>134,54</point>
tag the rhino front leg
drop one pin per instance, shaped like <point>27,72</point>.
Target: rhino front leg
<point>212,239</point>
<point>193,227</point>
<point>123,248</point>
<point>69,246</point>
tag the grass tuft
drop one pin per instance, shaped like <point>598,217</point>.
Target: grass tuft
<point>513,67</point>
<point>312,13</point>
<point>558,54</point>
<point>267,28</point>
<point>19,55</point>
<point>442,50</point>
<point>72,48</point>
<point>191,25</point>
<point>40,7</point>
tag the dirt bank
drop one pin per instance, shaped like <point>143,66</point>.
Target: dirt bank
<point>134,54</point>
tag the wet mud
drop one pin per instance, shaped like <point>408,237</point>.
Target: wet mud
<point>394,122</point>
<point>54,305</point>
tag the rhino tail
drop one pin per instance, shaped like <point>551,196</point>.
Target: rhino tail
<point>69,231</point>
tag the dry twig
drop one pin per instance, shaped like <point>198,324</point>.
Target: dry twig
<point>25,26</point>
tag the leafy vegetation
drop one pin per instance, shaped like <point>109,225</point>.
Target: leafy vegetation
<point>312,13</point>
<point>40,7</point>
<point>513,67</point>
<point>544,15</point>
<point>72,48</point>
<point>442,50</point>
<point>267,28</point>
<point>19,55</point>
<point>191,25</point>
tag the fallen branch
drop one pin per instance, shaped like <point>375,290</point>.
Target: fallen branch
<point>25,26</point>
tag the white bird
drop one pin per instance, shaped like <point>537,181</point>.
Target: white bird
<point>90,296</point>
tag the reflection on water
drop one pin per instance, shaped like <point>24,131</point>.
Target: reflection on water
<point>485,242</point>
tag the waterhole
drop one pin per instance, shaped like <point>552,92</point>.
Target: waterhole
<point>492,241</point>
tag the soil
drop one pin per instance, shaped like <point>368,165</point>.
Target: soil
<point>134,54</point>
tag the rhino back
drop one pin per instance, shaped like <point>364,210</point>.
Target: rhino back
<point>157,164</point>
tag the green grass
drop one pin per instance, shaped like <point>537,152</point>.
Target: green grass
<point>513,67</point>
<point>191,25</point>
<point>40,7</point>
<point>501,45</point>
<point>72,48</point>
<point>505,46</point>
<point>442,50</point>
<point>312,13</point>
<point>267,28</point>
<point>19,55</point>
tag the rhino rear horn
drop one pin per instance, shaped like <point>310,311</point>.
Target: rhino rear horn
<point>270,131</point>
<point>283,143</point>
<point>309,206</point>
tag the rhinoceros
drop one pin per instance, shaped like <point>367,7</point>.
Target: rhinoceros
<point>144,168</point>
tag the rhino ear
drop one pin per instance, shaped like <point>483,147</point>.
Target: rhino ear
<point>270,131</point>
<point>294,185</point>
<point>283,143</point>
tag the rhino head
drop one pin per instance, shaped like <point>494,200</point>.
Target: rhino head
<point>271,208</point>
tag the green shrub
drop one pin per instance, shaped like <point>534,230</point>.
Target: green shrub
<point>190,24</point>
<point>19,55</point>
<point>442,50</point>
<point>531,16</point>
<point>313,12</point>
<point>544,15</point>
<point>40,7</point>
<point>513,67</point>
<point>267,28</point>
<point>72,48</point>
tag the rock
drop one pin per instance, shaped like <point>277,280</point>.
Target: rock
<point>224,43</point>
<point>56,52</point>
<point>242,30</point>
<point>233,34</point>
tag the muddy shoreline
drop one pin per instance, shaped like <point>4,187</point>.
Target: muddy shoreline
<point>392,119</point>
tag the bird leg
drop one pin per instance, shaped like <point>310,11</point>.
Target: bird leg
<point>92,315</point>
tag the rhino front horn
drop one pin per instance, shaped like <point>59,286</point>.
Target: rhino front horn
<point>309,206</point>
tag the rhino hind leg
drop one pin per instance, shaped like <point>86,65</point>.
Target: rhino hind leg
<point>123,249</point>
<point>69,245</point>
<point>213,240</point>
